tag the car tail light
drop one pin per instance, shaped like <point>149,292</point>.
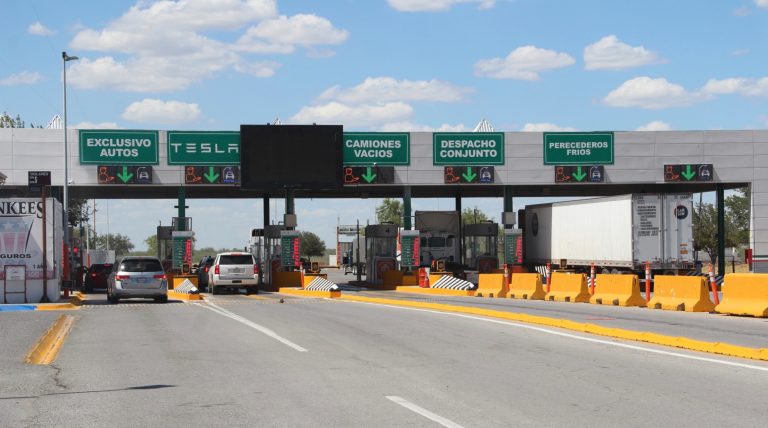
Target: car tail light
<point>93,275</point>
<point>206,269</point>
<point>122,277</point>
<point>216,269</point>
<point>159,276</point>
<point>255,270</point>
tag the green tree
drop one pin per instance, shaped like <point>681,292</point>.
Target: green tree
<point>473,216</point>
<point>6,121</point>
<point>311,245</point>
<point>737,218</point>
<point>77,211</point>
<point>705,230</point>
<point>151,243</point>
<point>390,211</point>
<point>114,241</point>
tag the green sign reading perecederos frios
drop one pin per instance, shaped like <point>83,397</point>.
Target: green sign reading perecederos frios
<point>578,148</point>
<point>119,147</point>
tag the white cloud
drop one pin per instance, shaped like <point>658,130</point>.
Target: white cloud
<point>740,52</point>
<point>546,127</point>
<point>415,127</point>
<point>648,93</point>
<point>99,125</point>
<point>258,69</point>
<point>159,111</point>
<point>609,53</point>
<point>282,34</point>
<point>742,11</point>
<point>523,63</point>
<point>353,115</point>
<point>382,89</point>
<point>38,29</point>
<point>762,3</point>
<point>168,45</point>
<point>656,125</point>
<point>740,85</point>
<point>434,5</point>
<point>23,78</point>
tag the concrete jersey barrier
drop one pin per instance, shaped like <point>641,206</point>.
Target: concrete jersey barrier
<point>681,293</point>
<point>618,290</point>
<point>491,285</point>
<point>526,286</point>
<point>745,294</point>
<point>568,287</point>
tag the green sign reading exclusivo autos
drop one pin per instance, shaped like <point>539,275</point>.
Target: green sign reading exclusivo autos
<point>470,148</point>
<point>118,147</point>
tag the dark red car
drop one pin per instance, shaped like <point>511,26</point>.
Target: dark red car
<point>96,276</point>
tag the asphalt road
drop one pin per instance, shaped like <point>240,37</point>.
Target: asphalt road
<point>245,361</point>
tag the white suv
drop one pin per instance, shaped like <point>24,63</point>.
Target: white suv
<point>234,271</point>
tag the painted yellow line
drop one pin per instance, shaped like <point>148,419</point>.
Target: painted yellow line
<point>257,297</point>
<point>309,293</point>
<point>639,336</point>
<point>48,346</point>
<point>57,307</point>
<point>434,291</point>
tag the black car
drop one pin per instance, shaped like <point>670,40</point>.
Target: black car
<point>202,272</point>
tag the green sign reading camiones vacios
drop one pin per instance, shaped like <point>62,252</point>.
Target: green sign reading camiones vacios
<point>119,147</point>
<point>578,148</point>
<point>203,148</point>
<point>468,148</point>
<point>379,148</point>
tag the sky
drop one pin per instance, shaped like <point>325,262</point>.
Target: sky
<point>378,65</point>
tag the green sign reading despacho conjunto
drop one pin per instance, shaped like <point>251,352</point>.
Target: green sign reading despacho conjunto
<point>118,147</point>
<point>203,148</point>
<point>578,148</point>
<point>470,148</point>
<point>380,148</point>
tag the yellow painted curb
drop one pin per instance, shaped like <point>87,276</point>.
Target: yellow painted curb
<point>183,296</point>
<point>309,293</point>
<point>57,307</point>
<point>48,346</point>
<point>435,291</point>
<point>618,333</point>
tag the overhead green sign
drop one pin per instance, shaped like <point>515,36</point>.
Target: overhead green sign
<point>118,147</point>
<point>380,148</point>
<point>203,148</point>
<point>470,148</point>
<point>578,148</point>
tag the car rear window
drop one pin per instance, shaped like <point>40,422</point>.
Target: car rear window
<point>100,268</point>
<point>141,266</point>
<point>243,259</point>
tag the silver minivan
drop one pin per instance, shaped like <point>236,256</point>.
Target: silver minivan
<point>234,271</point>
<point>137,276</point>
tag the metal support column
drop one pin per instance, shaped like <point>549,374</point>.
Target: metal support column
<point>461,231</point>
<point>508,206</point>
<point>407,225</point>
<point>289,206</point>
<point>182,207</point>
<point>265,211</point>
<point>720,229</point>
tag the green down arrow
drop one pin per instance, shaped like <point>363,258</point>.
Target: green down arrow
<point>211,175</point>
<point>125,176</point>
<point>469,175</point>
<point>688,174</point>
<point>368,176</point>
<point>579,175</point>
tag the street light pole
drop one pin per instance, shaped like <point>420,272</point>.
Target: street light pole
<point>65,196</point>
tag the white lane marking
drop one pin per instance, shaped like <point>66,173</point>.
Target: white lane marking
<point>423,412</point>
<point>586,339</point>
<point>219,310</point>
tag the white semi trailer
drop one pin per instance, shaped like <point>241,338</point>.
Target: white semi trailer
<point>619,232</point>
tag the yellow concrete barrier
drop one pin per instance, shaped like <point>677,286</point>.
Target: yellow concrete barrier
<point>412,279</point>
<point>183,296</point>
<point>176,280</point>
<point>568,287</point>
<point>491,285</point>
<point>526,286</point>
<point>617,290</point>
<point>309,277</point>
<point>392,279</point>
<point>286,279</point>
<point>745,294</point>
<point>680,293</point>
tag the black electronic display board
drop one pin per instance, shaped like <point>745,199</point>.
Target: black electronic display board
<point>291,156</point>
